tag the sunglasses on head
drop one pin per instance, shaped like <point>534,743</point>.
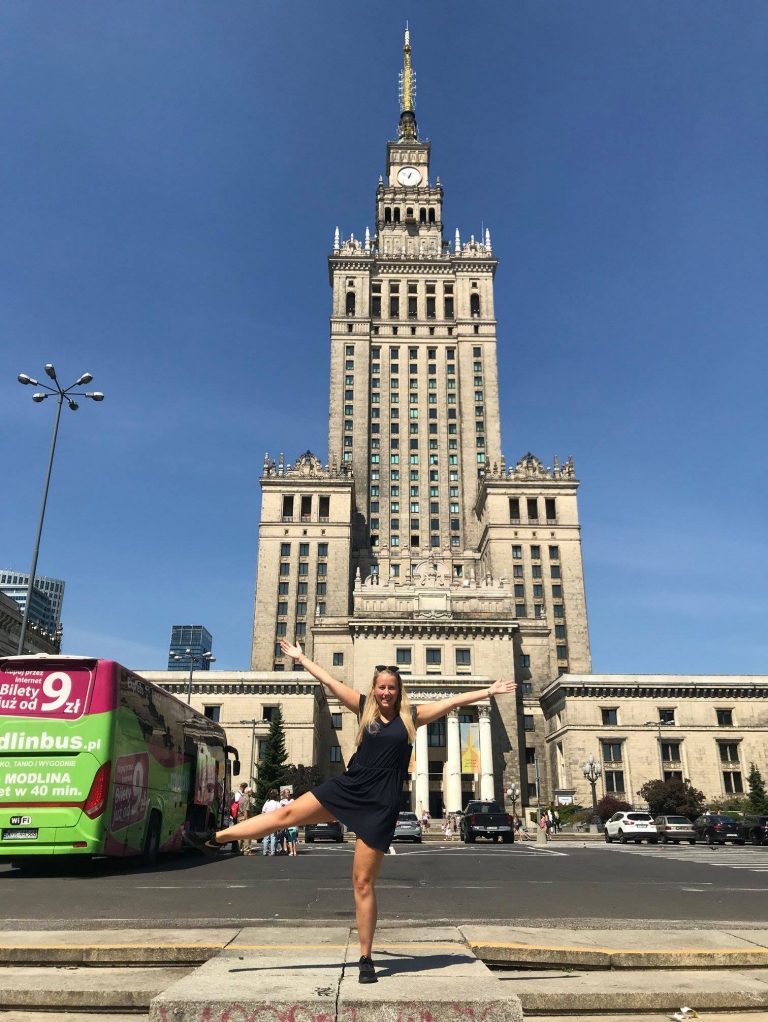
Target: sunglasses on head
<point>390,670</point>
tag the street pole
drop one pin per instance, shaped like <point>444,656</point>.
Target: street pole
<point>61,393</point>
<point>541,836</point>
<point>33,569</point>
<point>189,684</point>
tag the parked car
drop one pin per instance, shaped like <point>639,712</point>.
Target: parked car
<point>676,829</point>
<point>332,831</point>
<point>716,829</point>
<point>486,819</point>
<point>755,829</point>
<point>408,828</point>
<point>631,826</point>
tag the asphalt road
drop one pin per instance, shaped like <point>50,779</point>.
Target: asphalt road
<point>617,885</point>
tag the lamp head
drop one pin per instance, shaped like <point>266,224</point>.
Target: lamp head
<point>23,378</point>
<point>72,404</point>
<point>85,378</point>
<point>50,371</point>
<point>39,397</point>
<point>95,395</point>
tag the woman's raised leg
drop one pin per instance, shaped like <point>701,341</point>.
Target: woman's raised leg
<point>365,870</point>
<point>306,809</point>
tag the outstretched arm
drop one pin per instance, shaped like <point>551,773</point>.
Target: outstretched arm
<point>427,712</point>
<point>347,696</point>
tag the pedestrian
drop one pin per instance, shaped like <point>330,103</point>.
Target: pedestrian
<point>268,840</point>
<point>425,818</point>
<point>544,824</point>
<point>366,797</point>
<point>292,837</point>
<point>448,831</point>
<point>245,809</point>
<point>282,837</point>
<point>557,822</point>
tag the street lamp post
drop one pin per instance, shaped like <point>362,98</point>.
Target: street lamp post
<point>592,771</point>
<point>513,794</point>
<point>61,394</point>
<point>253,722</point>
<point>194,658</point>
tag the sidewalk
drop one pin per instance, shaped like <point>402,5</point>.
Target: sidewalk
<point>451,973</point>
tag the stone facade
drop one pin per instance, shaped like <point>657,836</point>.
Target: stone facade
<point>706,728</point>
<point>38,640</point>
<point>415,544</point>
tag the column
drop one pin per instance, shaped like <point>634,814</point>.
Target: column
<point>422,771</point>
<point>487,791</point>
<point>453,748</point>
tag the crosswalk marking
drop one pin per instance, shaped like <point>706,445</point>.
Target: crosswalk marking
<point>755,860</point>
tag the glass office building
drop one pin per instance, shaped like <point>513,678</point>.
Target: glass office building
<point>47,596</point>
<point>189,637</point>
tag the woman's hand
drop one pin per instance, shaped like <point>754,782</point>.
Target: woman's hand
<point>502,688</point>
<point>295,652</point>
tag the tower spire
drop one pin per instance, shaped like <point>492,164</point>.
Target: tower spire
<point>407,129</point>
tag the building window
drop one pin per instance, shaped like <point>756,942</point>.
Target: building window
<point>434,657</point>
<point>554,571</point>
<point>549,504</point>
<point>612,752</point>
<point>303,549</point>
<point>530,756</point>
<point>212,712</point>
<point>285,549</point>
<point>278,649</point>
<point>528,723</point>
<point>338,659</point>
<point>320,588</point>
<point>514,509</point>
<point>403,656</point>
<point>562,652</point>
<point>554,553</point>
<point>520,591</point>
<point>525,660</point>
<point>670,752</point>
<point>666,716</point>
<point>322,568</point>
<point>281,628</point>
<point>729,752</point>
<point>436,734</point>
<point>262,749</point>
<point>724,718</point>
<point>282,609</point>
<point>282,588</point>
<point>336,722</point>
<point>520,610</point>
<point>517,571</point>
<point>303,568</point>
<point>335,754</point>
<point>614,782</point>
<point>517,552</point>
<point>732,782</point>
<point>267,712</point>
<point>301,627</point>
<point>474,305</point>
<point>610,717</point>
<point>463,658</point>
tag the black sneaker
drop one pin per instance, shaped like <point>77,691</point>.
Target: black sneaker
<point>208,846</point>
<point>367,971</point>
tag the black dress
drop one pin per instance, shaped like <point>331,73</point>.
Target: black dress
<point>366,798</point>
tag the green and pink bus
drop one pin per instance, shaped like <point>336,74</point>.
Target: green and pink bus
<point>94,760</point>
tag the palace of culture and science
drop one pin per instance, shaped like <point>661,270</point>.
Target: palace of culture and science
<point>417,544</point>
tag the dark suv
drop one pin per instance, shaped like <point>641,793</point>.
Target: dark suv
<point>716,829</point>
<point>755,829</point>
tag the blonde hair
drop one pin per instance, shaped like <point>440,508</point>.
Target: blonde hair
<point>368,718</point>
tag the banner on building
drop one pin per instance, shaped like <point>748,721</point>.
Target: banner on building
<point>470,748</point>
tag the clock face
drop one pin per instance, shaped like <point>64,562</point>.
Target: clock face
<point>409,176</point>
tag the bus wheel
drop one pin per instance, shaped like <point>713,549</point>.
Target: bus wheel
<point>151,847</point>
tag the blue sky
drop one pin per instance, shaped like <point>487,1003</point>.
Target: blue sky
<point>171,178</point>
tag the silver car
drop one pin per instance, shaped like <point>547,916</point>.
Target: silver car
<point>675,828</point>
<point>408,828</point>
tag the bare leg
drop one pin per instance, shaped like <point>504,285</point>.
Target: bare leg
<point>305,809</point>
<point>365,871</point>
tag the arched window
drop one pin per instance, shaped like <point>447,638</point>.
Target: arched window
<point>350,303</point>
<point>397,214</point>
<point>387,215</point>
<point>422,215</point>
<point>431,216</point>
<point>474,305</point>
<point>409,213</point>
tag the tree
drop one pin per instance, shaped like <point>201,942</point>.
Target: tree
<point>272,768</point>
<point>673,797</point>
<point>302,778</point>
<point>758,799</point>
<point>609,804</point>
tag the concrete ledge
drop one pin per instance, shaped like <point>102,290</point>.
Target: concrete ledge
<point>554,991</point>
<point>133,947</point>
<point>82,988</point>
<point>618,949</point>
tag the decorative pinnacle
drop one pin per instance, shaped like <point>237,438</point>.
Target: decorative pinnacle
<point>407,92</point>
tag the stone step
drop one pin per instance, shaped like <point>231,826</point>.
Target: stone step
<point>83,988</point>
<point>567,992</point>
<point>72,1016</point>
<point>152,946</point>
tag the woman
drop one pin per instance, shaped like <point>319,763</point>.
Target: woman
<point>367,796</point>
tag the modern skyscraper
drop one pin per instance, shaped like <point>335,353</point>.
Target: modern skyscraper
<point>415,544</point>
<point>194,638</point>
<point>47,596</point>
